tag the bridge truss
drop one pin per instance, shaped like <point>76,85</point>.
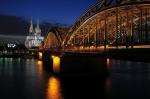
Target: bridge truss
<point>54,38</point>
<point>114,23</point>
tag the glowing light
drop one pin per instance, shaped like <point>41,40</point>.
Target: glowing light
<point>40,69</point>
<point>52,56</point>
<point>11,45</point>
<point>107,46</point>
<point>40,55</point>
<point>81,47</point>
<point>54,88</point>
<point>40,62</point>
<point>56,64</point>
<point>101,47</point>
<point>91,47</point>
<point>32,53</point>
<point>108,62</point>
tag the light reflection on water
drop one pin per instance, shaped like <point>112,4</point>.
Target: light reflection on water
<point>40,69</point>
<point>54,88</point>
<point>107,87</point>
<point>40,55</point>
<point>31,80</point>
<point>108,63</point>
<point>56,64</point>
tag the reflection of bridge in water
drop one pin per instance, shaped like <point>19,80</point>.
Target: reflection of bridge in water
<point>109,24</point>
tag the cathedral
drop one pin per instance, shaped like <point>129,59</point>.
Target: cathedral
<point>34,39</point>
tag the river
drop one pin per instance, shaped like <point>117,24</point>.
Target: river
<point>74,78</point>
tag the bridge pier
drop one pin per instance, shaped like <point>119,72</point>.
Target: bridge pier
<point>45,56</point>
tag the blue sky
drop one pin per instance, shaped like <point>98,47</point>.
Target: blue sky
<point>56,11</point>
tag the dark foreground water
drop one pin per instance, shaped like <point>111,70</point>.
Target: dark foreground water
<point>78,78</point>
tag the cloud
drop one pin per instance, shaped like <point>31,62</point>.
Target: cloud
<point>12,36</point>
<point>5,39</point>
<point>13,29</point>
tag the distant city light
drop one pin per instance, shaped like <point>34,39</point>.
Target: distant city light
<point>11,45</point>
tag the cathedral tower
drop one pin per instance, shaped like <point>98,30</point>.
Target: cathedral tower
<point>37,29</point>
<point>31,30</point>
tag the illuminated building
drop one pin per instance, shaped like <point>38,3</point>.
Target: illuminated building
<point>34,39</point>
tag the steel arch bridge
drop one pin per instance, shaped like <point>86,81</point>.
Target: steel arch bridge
<point>54,38</point>
<point>113,23</point>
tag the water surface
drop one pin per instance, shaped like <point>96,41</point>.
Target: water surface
<point>77,78</point>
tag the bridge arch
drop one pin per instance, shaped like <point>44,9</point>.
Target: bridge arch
<point>54,38</point>
<point>51,41</point>
<point>114,23</point>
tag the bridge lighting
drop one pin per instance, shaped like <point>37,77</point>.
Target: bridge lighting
<point>53,90</point>
<point>56,64</point>
<point>91,46</point>
<point>107,45</point>
<point>40,69</point>
<point>40,55</point>
<point>32,53</point>
<point>52,56</point>
<point>81,47</point>
<point>108,62</point>
<point>40,62</point>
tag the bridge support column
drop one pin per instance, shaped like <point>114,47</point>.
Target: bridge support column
<point>120,33</point>
<point>126,31</point>
<point>146,27</point>
<point>47,60</point>
<point>132,30</point>
<point>83,37</point>
<point>101,37</point>
<point>88,37</point>
<point>74,41</point>
<point>141,37</point>
<point>105,33</point>
<point>96,33</point>
<point>116,27</point>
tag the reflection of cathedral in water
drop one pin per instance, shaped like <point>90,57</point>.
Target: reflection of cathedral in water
<point>34,39</point>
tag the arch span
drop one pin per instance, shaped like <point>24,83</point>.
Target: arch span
<point>54,38</point>
<point>112,22</point>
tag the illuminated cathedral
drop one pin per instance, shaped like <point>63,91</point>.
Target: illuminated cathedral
<point>34,39</point>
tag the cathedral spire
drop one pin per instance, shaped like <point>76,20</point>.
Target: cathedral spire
<point>38,24</point>
<point>37,29</point>
<point>34,39</point>
<point>31,27</point>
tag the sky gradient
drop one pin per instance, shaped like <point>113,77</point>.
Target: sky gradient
<point>55,11</point>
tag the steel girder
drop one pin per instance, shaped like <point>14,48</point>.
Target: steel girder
<point>123,23</point>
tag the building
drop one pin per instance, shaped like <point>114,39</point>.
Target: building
<point>34,39</point>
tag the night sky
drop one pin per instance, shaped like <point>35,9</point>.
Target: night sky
<point>54,11</point>
<point>15,16</point>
